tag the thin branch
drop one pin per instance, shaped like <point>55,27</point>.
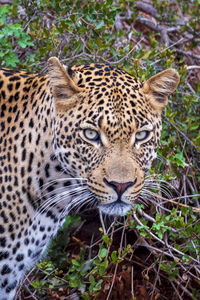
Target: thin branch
<point>155,27</point>
<point>186,53</point>
<point>155,281</point>
<point>173,200</point>
<point>183,134</point>
<point>148,8</point>
<point>23,284</point>
<point>193,67</point>
<point>113,280</point>
<point>132,285</point>
<point>102,222</point>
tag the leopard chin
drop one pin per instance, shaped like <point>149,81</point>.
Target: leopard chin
<point>115,208</point>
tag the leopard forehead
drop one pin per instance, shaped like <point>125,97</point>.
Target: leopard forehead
<point>102,75</point>
<point>96,70</point>
<point>112,96</point>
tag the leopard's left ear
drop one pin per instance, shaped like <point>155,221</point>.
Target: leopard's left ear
<point>63,86</point>
<point>159,87</point>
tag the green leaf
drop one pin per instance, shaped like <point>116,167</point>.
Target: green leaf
<point>114,256</point>
<point>102,253</point>
<point>193,126</point>
<point>146,55</point>
<point>75,263</point>
<point>4,12</point>
<point>180,159</point>
<point>100,24</point>
<point>11,59</point>
<point>24,41</point>
<point>106,239</point>
<point>92,280</point>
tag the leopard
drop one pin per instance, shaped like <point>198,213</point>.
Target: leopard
<point>78,136</point>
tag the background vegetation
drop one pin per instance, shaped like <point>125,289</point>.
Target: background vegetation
<point>154,253</point>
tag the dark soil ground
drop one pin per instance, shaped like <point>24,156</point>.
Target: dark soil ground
<point>135,278</point>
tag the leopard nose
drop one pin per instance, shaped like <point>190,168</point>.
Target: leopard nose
<point>120,187</point>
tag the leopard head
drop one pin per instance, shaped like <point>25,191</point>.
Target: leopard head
<point>107,128</point>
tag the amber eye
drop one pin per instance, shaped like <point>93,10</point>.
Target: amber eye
<point>91,135</point>
<point>142,135</point>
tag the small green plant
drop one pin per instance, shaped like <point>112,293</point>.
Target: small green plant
<point>12,36</point>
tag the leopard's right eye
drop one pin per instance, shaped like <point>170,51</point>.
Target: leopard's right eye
<point>91,135</point>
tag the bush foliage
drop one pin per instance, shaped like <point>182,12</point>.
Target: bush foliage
<point>142,38</point>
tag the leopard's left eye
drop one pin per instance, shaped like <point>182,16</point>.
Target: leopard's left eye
<point>91,135</point>
<point>142,135</point>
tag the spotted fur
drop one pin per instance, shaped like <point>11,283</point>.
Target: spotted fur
<point>68,139</point>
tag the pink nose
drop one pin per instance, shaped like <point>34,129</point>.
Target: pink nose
<point>120,187</point>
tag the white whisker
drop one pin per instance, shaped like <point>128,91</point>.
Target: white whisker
<point>60,195</point>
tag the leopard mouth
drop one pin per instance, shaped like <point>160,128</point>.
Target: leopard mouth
<point>116,208</point>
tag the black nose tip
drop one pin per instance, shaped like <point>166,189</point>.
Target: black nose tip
<point>120,187</point>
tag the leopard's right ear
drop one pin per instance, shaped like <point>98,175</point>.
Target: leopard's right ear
<point>159,87</point>
<point>64,89</point>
